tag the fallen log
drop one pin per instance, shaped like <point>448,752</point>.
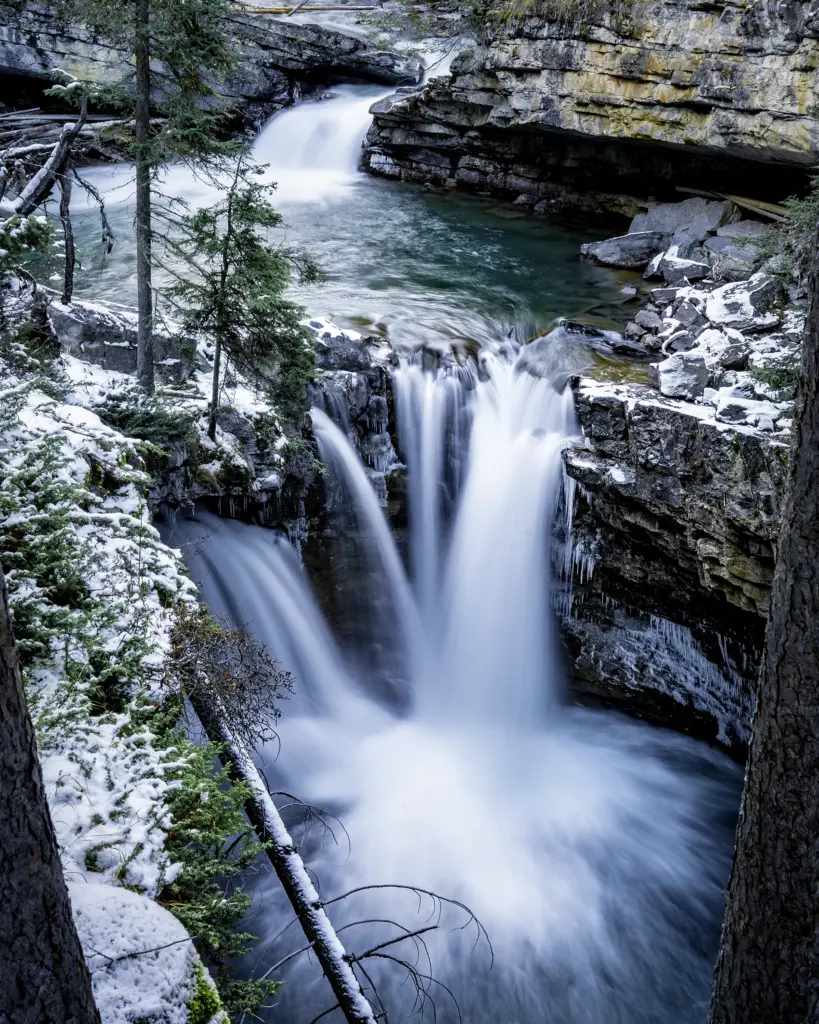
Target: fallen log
<point>289,867</point>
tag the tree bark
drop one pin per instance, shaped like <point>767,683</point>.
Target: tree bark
<point>43,977</point>
<point>68,235</point>
<point>214,398</point>
<point>768,966</point>
<point>142,60</point>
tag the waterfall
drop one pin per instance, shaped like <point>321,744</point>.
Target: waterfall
<point>315,147</point>
<point>592,847</point>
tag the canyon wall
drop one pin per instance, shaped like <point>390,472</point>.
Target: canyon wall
<point>631,99</point>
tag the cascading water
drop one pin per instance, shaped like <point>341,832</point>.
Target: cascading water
<point>316,147</point>
<point>593,848</point>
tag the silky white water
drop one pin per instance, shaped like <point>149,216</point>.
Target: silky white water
<point>592,848</point>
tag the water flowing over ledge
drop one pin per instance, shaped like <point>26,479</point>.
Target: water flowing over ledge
<point>592,847</point>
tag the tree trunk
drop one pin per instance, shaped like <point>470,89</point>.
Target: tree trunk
<point>214,397</point>
<point>43,977</point>
<point>768,965</point>
<point>142,59</point>
<point>68,235</point>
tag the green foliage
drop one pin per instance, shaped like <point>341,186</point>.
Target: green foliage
<point>231,285</point>
<point>790,244</point>
<point>781,379</point>
<point>21,239</point>
<point>302,458</point>
<point>90,587</point>
<point>212,839</point>
<point>29,348</point>
<point>205,1002</point>
<point>147,417</point>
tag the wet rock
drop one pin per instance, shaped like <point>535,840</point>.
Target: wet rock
<point>634,331</point>
<point>630,251</point>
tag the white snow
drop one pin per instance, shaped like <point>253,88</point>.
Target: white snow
<point>133,979</point>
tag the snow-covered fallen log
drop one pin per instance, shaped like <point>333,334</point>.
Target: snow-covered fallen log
<point>289,867</point>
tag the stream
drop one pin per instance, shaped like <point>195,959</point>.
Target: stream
<point>592,847</point>
<point>414,265</point>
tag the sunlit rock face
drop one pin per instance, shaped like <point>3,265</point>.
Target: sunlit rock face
<point>544,102</point>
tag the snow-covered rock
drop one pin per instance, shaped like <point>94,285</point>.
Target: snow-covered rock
<point>683,375</point>
<point>144,968</point>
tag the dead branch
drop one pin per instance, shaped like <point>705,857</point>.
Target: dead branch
<point>295,881</point>
<point>41,184</point>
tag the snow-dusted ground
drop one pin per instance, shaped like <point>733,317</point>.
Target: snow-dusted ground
<point>70,486</point>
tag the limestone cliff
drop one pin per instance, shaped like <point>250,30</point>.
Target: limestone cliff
<point>635,98</point>
<point>277,58</point>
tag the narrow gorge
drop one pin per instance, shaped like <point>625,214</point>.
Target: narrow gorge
<point>516,547</point>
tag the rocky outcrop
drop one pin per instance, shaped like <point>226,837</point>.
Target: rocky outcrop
<point>632,98</point>
<point>675,521</point>
<point>106,335</point>
<point>278,58</point>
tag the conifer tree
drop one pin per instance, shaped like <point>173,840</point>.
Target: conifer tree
<point>230,276</point>
<point>178,47</point>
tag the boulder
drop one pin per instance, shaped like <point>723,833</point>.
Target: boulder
<point>680,341</point>
<point>696,217</point>
<point>648,320</point>
<point>745,230</point>
<point>630,251</point>
<point>688,315</point>
<point>747,411</point>
<point>683,375</point>
<point>730,261</point>
<point>676,270</point>
<point>746,305</point>
<point>735,356</point>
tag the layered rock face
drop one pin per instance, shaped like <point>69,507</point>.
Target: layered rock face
<point>638,99</point>
<point>675,520</point>
<point>679,486</point>
<point>278,57</point>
